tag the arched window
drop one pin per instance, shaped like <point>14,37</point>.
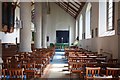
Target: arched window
<point>110,15</point>
<point>80,27</point>
<point>106,18</point>
<point>88,18</point>
<point>76,29</point>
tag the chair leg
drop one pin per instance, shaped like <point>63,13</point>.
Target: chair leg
<point>70,75</point>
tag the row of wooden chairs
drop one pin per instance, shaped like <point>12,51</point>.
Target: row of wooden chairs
<point>95,72</point>
<point>13,73</point>
<point>82,69</point>
<point>76,50</point>
<point>30,64</point>
<point>79,61</point>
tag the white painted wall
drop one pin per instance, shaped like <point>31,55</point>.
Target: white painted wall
<point>59,20</point>
<point>107,40</point>
<point>8,37</point>
<point>11,37</point>
<point>109,44</point>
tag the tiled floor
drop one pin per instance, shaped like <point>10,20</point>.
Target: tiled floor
<point>58,68</point>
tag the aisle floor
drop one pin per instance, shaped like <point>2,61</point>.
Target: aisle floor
<point>58,68</point>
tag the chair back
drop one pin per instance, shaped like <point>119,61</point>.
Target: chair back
<point>15,73</point>
<point>115,72</point>
<point>92,71</point>
<point>30,70</point>
<point>113,60</point>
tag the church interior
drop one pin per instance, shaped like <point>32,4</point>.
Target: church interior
<point>59,39</point>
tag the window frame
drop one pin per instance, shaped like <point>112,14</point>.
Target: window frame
<point>107,13</point>
<point>88,15</point>
<point>81,27</point>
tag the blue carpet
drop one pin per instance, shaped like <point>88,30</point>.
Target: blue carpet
<point>59,57</point>
<point>59,50</point>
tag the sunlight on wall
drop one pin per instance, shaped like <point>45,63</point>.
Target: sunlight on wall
<point>103,21</point>
<point>80,27</point>
<point>87,28</point>
<point>76,29</point>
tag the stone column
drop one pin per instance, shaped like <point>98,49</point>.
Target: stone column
<point>38,25</point>
<point>0,38</point>
<point>25,32</point>
<point>44,12</point>
<point>0,16</point>
<point>118,9</point>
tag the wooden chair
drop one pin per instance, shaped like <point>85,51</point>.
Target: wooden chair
<point>29,70</point>
<point>91,72</point>
<point>115,72</point>
<point>113,60</point>
<point>5,65</point>
<point>4,73</point>
<point>39,67</point>
<point>76,67</point>
<point>92,64</point>
<point>15,73</point>
<point>15,65</point>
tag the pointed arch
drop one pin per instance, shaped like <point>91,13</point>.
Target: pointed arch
<point>88,20</point>
<point>80,26</point>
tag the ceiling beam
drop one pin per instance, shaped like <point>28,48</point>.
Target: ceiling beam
<point>74,5</point>
<point>72,10</point>
<point>71,7</point>
<point>77,3</point>
<point>61,3</point>
<point>67,6</point>
<point>83,3</point>
<point>65,9</point>
<point>32,3</point>
<point>16,4</point>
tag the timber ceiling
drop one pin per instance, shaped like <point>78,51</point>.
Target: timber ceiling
<point>73,8</point>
